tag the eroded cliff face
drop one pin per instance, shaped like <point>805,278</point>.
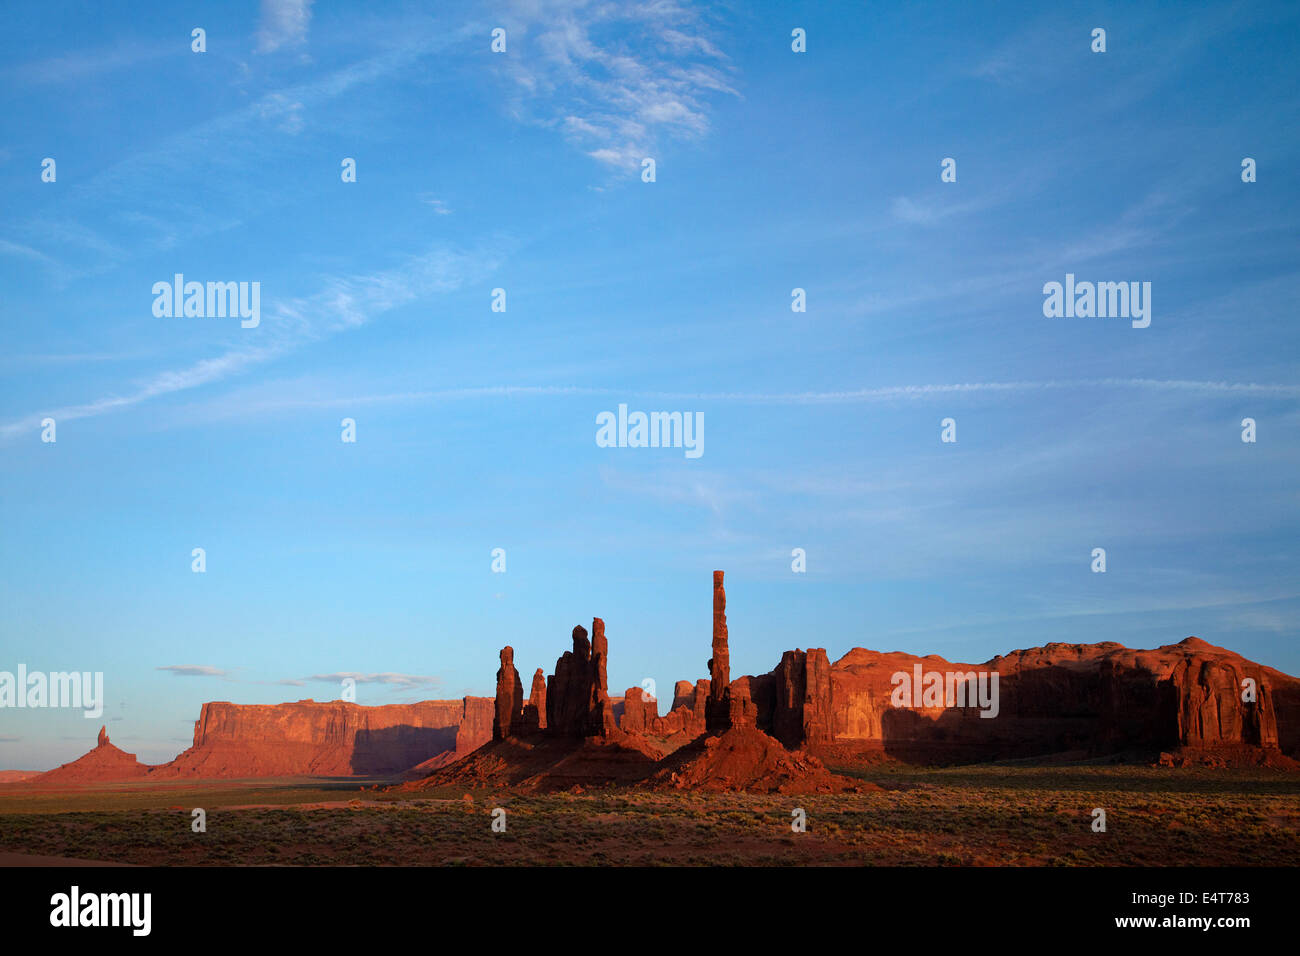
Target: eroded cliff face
<point>329,739</point>
<point>794,701</point>
<point>1062,697</point>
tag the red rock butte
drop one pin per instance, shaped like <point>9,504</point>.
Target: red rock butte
<point>1190,702</point>
<point>105,762</point>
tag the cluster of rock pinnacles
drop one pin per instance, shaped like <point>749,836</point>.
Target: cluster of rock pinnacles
<point>575,701</point>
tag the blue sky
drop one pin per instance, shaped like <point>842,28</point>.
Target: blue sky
<point>476,429</point>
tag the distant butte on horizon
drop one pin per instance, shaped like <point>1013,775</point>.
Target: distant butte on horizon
<point>1176,704</point>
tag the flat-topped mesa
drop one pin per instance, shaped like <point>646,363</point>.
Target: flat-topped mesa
<point>718,712</point>
<point>1096,698</point>
<point>510,698</point>
<point>328,739</point>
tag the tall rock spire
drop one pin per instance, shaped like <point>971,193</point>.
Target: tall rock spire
<point>510,697</point>
<point>600,713</point>
<point>718,711</point>
<point>535,709</point>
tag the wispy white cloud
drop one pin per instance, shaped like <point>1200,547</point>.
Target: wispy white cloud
<point>195,670</point>
<point>342,303</point>
<point>930,210</point>
<point>24,252</point>
<point>887,393</point>
<point>674,486</point>
<point>306,394</point>
<point>438,205</point>
<point>82,66</point>
<point>131,191</point>
<point>283,23</point>
<point>409,681</point>
<point>616,79</point>
<point>70,358</point>
<point>285,112</point>
<point>395,679</point>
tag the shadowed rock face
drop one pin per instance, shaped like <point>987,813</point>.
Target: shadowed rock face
<point>570,689</point>
<point>717,716</point>
<point>577,695</point>
<point>795,699</point>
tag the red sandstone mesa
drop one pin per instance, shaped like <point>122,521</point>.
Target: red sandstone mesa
<point>332,738</point>
<point>1095,698</point>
